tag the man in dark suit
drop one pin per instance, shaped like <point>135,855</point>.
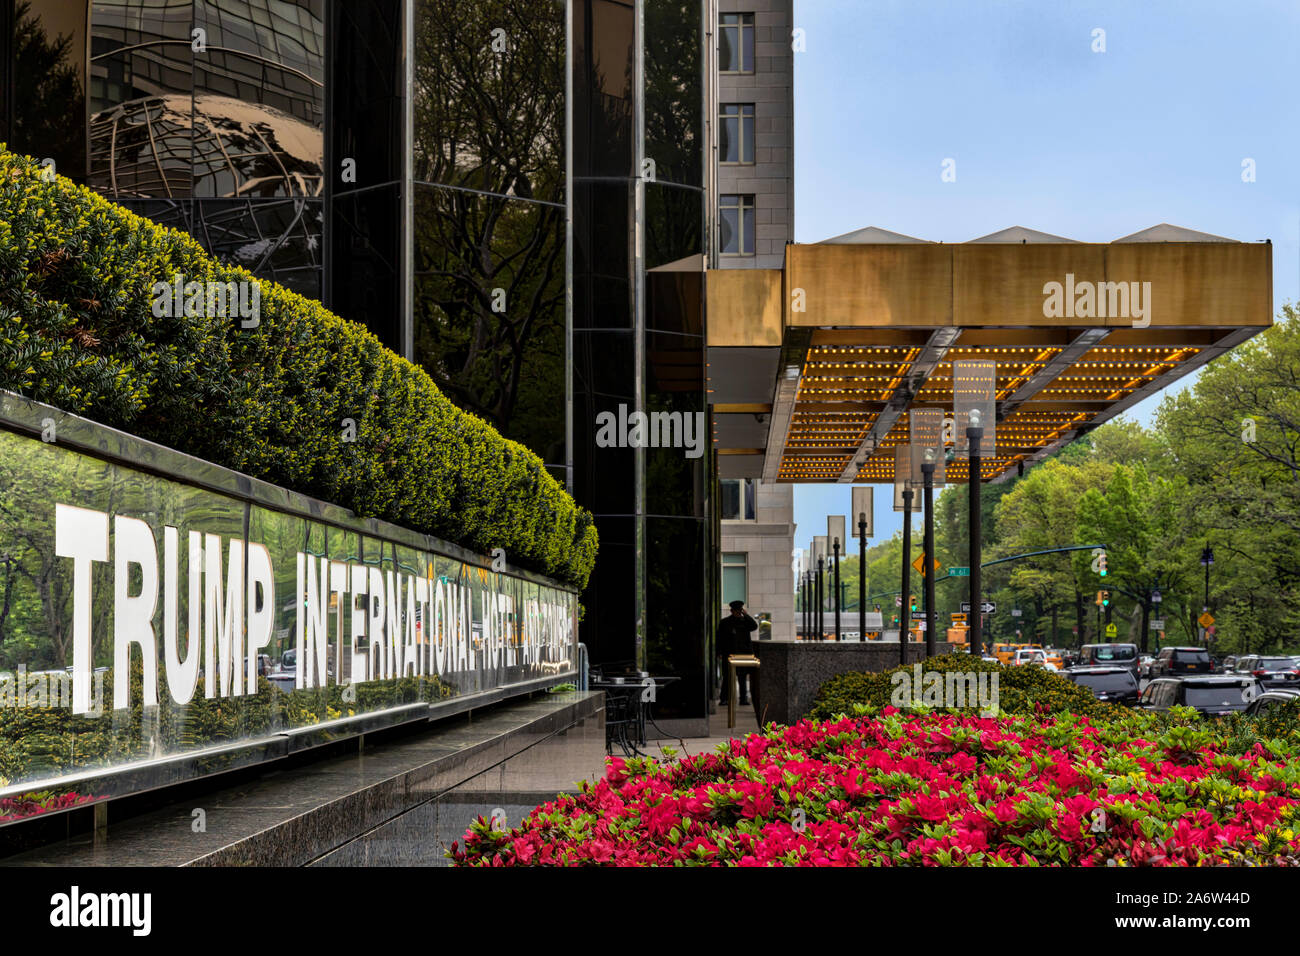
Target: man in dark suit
<point>733,638</point>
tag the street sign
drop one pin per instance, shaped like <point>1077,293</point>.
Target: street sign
<point>1206,619</point>
<point>1111,630</point>
<point>919,564</point>
<point>898,600</point>
<point>959,572</point>
<point>1157,624</point>
<point>988,607</point>
<point>918,615</point>
<point>958,618</point>
<point>1016,612</point>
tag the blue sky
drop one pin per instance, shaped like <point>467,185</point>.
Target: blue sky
<point>1045,132</point>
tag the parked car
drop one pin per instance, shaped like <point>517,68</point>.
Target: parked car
<point>1105,655</point>
<point>1228,664</point>
<point>1005,652</point>
<point>1270,699</point>
<point>1112,683</point>
<point>1055,657</point>
<point>286,675</point>
<point>1144,665</point>
<point>1272,671</point>
<point>1033,656</point>
<point>1211,694</point>
<point>1175,661</point>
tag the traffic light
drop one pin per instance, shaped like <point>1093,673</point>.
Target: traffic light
<point>913,600</point>
<point>1105,599</point>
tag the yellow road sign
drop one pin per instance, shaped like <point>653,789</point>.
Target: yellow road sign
<point>1206,619</point>
<point>1111,630</point>
<point>919,564</point>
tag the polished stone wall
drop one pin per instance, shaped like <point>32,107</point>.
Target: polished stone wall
<point>790,672</point>
<point>394,800</point>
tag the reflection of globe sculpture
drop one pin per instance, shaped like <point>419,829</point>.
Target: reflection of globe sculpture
<point>243,178</point>
<point>167,147</point>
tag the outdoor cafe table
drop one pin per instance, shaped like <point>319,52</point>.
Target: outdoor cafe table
<point>632,697</point>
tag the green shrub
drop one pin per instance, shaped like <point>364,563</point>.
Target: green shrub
<point>1024,691</point>
<point>77,331</point>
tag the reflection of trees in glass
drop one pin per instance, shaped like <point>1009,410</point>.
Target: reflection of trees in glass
<point>672,90</point>
<point>48,95</point>
<point>36,627</point>
<point>489,290</point>
<point>507,366</point>
<point>485,118</point>
<point>674,224</point>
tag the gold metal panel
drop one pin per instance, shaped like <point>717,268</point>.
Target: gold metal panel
<point>744,307</point>
<point>871,311</point>
<point>1002,283</point>
<point>1199,283</point>
<point>869,285</point>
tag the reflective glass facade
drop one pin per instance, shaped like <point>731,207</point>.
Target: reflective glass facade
<point>511,193</point>
<point>638,344</point>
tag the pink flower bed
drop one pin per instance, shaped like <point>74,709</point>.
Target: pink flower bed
<point>926,791</point>
<point>30,804</point>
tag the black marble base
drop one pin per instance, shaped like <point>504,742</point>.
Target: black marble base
<point>297,816</point>
<point>790,672</point>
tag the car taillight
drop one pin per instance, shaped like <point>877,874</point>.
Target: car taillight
<point>1260,673</point>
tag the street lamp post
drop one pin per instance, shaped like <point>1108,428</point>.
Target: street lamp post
<point>973,384</point>
<point>821,567</point>
<point>927,470</point>
<point>1207,559</point>
<point>862,579</point>
<point>808,601</point>
<point>904,483</point>
<point>1156,599</point>
<point>803,600</point>
<point>926,426</point>
<point>862,506</point>
<point>835,532</point>
<point>836,550</point>
<point>819,551</point>
<point>904,608</point>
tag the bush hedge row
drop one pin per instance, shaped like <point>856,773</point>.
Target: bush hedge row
<point>1022,691</point>
<point>77,331</point>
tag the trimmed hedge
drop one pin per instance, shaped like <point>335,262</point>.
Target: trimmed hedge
<point>77,331</point>
<point>1022,691</point>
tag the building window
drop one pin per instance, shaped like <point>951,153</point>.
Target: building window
<point>736,125</point>
<point>736,43</point>
<point>736,225</point>
<point>738,499</point>
<point>734,585</point>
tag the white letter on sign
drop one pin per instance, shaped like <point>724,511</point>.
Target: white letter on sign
<point>261,618</point>
<point>133,543</point>
<point>80,534</point>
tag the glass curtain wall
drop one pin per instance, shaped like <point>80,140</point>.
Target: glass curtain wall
<point>204,115</point>
<point>638,216</point>
<point>488,303</point>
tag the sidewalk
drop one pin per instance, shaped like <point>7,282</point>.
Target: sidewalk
<point>746,724</point>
